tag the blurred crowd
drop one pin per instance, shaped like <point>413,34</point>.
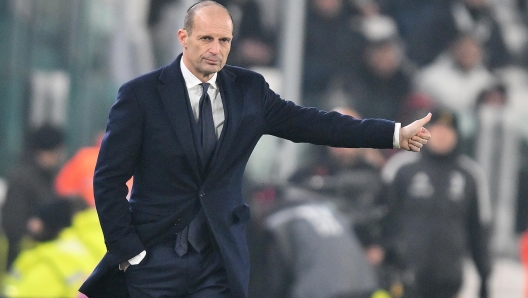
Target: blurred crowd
<point>345,222</point>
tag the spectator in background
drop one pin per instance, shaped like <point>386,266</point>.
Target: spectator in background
<point>30,183</point>
<point>351,179</point>
<point>85,225</point>
<point>321,70</point>
<point>493,132</point>
<point>521,225</point>
<point>75,177</point>
<point>252,44</point>
<point>75,180</point>
<point>131,49</point>
<point>163,16</point>
<point>455,80</point>
<point>439,208</point>
<point>58,264</point>
<point>475,18</point>
<point>382,82</point>
<point>417,21</point>
<point>305,248</point>
<point>428,28</point>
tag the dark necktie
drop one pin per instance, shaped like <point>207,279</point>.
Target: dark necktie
<point>206,127</point>
<point>197,232</point>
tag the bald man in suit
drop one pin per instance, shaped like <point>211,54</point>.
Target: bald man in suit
<point>154,133</point>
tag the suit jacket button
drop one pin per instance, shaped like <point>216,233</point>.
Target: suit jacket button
<point>202,194</point>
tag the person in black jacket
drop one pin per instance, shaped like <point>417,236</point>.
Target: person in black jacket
<point>439,202</point>
<point>30,183</point>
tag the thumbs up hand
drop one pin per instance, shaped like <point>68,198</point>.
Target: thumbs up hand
<point>415,135</point>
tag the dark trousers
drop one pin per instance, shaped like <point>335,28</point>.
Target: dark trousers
<point>165,274</point>
<point>429,288</point>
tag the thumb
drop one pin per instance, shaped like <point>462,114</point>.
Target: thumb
<point>424,120</point>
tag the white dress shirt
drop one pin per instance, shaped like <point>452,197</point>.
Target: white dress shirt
<point>195,92</point>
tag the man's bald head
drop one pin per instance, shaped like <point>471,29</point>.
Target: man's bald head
<point>188,21</point>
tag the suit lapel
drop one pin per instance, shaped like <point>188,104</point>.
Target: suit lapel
<point>177,109</point>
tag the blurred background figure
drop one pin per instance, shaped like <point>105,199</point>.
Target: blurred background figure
<point>497,147</point>
<point>131,48</point>
<point>301,246</point>
<point>163,17</point>
<point>328,34</point>
<point>429,27</point>
<point>477,18</point>
<point>254,43</point>
<point>58,264</point>
<point>382,82</point>
<point>351,177</point>
<point>75,177</point>
<point>439,209</point>
<point>416,21</point>
<point>455,80</point>
<point>75,181</point>
<point>30,183</point>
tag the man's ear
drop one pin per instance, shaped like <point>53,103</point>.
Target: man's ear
<point>182,37</point>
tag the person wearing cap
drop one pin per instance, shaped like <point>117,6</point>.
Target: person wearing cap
<point>30,183</point>
<point>59,262</point>
<point>439,209</point>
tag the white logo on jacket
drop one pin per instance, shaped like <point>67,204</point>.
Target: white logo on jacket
<point>457,183</point>
<point>421,187</point>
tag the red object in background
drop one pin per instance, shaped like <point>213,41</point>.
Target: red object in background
<point>523,250</point>
<point>76,176</point>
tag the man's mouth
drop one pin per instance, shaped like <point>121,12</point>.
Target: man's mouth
<point>211,61</point>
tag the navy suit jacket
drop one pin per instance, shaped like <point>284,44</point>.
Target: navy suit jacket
<point>149,136</point>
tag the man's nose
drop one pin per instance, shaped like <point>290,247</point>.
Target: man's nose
<point>215,47</point>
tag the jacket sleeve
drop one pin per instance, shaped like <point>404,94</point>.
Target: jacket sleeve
<point>299,124</point>
<point>116,163</point>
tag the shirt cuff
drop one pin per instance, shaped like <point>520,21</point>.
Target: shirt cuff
<point>136,260</point>
<point>396,137</point>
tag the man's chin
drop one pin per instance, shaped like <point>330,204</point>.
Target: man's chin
<point>210,69</point>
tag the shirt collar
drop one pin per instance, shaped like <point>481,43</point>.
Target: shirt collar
<point>191,80</point>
